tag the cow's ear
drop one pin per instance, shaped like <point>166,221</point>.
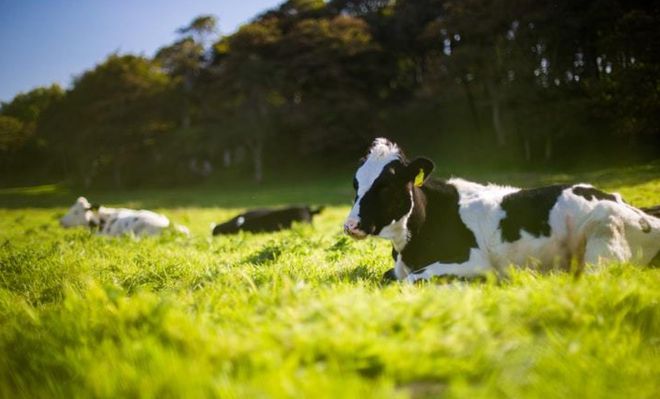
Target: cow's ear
<point>419,170</point>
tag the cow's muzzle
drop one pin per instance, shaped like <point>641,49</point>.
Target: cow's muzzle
<point>352,228</point>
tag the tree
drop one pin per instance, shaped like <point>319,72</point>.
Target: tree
<point>20,143</point>
<point>201,29</point>
<point>111,119</point>
<point>28,107</point>
<point>249,85</point>
<point>11,133</point>
<point>185,59</point>
<point>334,72</point>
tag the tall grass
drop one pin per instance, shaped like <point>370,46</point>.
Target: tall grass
<point>302,313</point>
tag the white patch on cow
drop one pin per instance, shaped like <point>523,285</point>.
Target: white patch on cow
<point>381,153</point>
<point>401,271</point>
<point>240,221</point>
<point>140,222</point>
<point>79,214</point>
<point>117,221</point>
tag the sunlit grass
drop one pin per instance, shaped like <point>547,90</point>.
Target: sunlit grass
<point>302,313</point>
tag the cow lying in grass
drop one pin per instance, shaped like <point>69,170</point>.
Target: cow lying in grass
<point>267,220</point>
<point>465,229</point>
<point>116,221</point>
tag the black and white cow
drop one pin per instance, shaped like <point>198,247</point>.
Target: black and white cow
<point>116,221</point>
<point>267,220</point>
<point>465,229</point>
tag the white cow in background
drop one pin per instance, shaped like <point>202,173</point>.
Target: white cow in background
<point>116,221</point>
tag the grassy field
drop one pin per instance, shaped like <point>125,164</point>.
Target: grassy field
<point>302,313</point>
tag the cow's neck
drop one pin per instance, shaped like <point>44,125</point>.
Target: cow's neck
<point>100,217</point>
<point>436,231</point>
<point>418,215</point>
<point>399,231</point>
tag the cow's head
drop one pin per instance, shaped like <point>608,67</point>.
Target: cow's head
<point>383,189</point>
<point>80,213</point>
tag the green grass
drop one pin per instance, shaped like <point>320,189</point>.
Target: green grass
<point>301,313</point>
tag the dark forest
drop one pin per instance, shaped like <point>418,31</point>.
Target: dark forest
<point>472,83</point>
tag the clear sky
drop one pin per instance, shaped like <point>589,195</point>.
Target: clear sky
<point>48,41</point>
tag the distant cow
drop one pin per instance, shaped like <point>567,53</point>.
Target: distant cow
<point>460,228</point>
<point>116,221</point>
<point>267,220</point>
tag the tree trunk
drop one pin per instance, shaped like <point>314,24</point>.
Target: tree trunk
<point>528,150</point>
<point>257,158</point>
<point>497,121</point>
<point>185,114</point>
<point>548,148</point>
<point>472,105</point>
<point>116,173</point>
<point>187,92</point>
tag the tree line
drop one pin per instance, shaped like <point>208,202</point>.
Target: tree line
<point>491,82</point>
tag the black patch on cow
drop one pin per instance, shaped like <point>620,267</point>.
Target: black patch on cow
<point>388,199</point>
<point>111,223</point>
<point>645,225</point>
<point>652,210</point>
<point>655,262</point>
<point>389,276</point>
<point>591,193</point>
<point>138,228</point>
<point>529,210</point>
<point>266,220</point>
<point>437,232</point>
<point>395,254</point>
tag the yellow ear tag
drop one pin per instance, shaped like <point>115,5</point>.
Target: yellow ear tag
<point>419,179</point>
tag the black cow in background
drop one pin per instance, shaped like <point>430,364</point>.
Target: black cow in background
<point>267,220</point>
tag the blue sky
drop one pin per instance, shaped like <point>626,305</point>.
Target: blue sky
<point>48,41</point>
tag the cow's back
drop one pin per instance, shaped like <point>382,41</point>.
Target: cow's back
<point>549,227</point>
<point>138,222</point>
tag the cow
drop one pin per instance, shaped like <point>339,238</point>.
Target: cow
<point>116,221</point>
<point>464,229</point>
<point>267,220</point>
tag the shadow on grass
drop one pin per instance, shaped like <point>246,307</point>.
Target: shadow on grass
<point>360,273</point>
<point>269,253</point>
<point>326,192</point>
<point>323,191</point>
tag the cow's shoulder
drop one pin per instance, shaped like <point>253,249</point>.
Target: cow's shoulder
<point>438,234</point>
<point>529,210</point>
<point>477,196</point>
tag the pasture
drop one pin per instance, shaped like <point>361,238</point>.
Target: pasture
<point>302,313</point>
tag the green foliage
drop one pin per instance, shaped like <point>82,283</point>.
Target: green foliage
<point>301,313</point>
<point>509,83</point>
<point>115,112</point>
<point>28,107</point>
<point>11,133</point>
<point>181,57</point>
<point>23,148</point>
<point>19,117</point>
